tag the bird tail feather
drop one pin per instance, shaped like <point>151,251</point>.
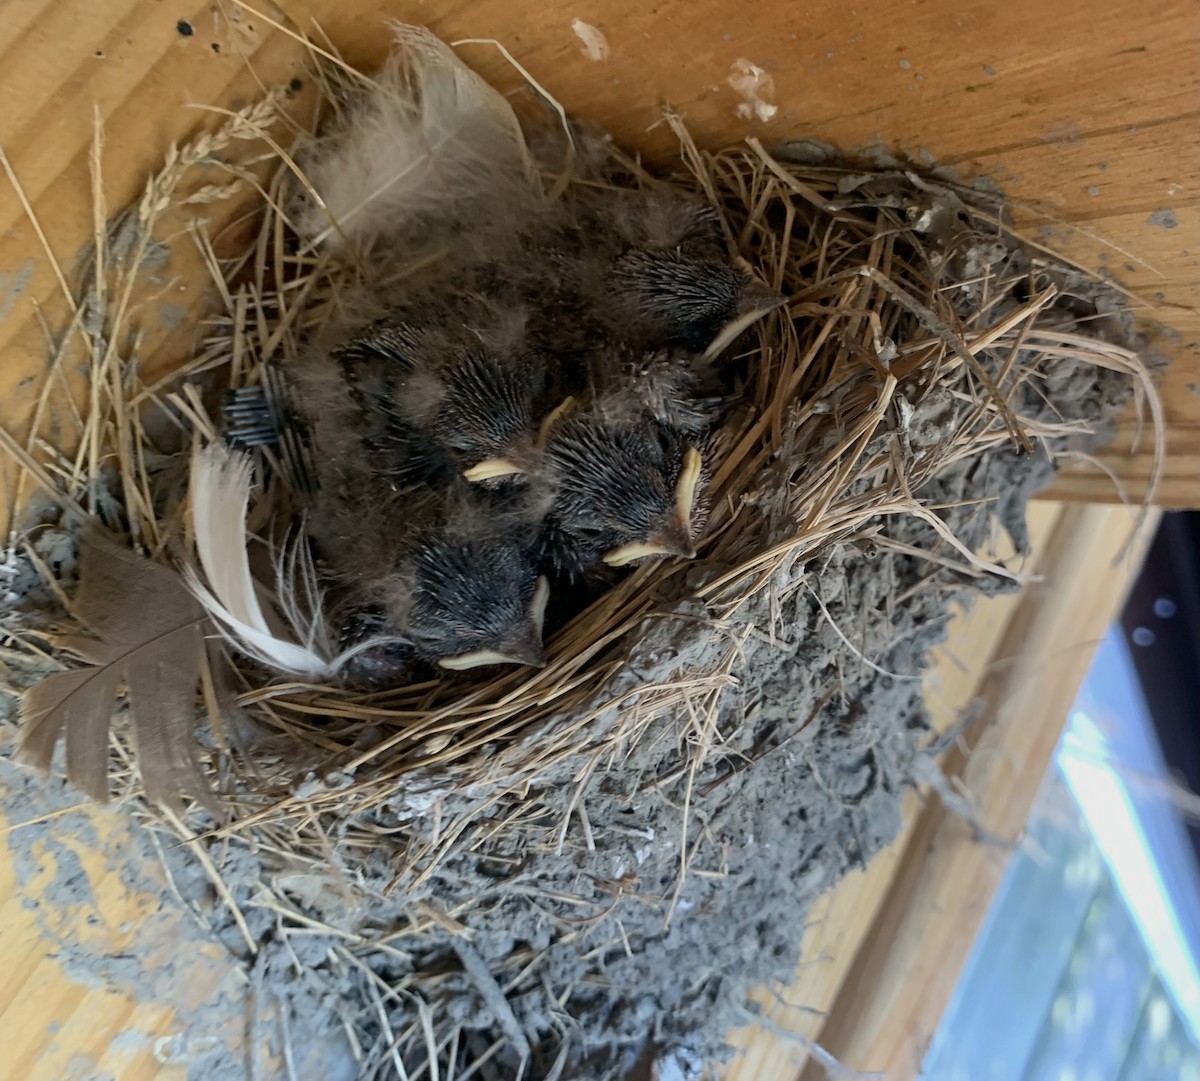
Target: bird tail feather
<point>429,141</point>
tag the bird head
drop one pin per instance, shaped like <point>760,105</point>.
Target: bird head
<point>699,304</point>
<point>518,643</point>
<point>488,419</point>
<point>432,396</point>
<point>754,300</point>
<point>671,533</point>
<point>623,490</point>
<point>476,599</point>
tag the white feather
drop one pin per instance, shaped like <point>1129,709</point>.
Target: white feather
<point>429,141</point>
<point>220,494</point>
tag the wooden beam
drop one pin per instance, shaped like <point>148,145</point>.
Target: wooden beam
<point>51,1025</point>
<point>1091,121</point>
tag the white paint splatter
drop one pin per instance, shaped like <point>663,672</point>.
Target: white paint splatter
<point>756,87</point>
<point>595,44</point>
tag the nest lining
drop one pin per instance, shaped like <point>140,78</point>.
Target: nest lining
<point>923,349</point>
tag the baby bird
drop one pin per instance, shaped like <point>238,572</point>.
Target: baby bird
<point>417,575</point>
<point>654,271</point>
<point>623,486</point>
<point>446,578</point>
<point>439,400</point>
<point>443,574</point>
<point>677,388</point>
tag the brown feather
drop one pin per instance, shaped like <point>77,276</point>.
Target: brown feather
<point>147,632</point>
<point>78,702</point>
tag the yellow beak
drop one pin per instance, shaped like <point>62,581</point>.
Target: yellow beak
<point>490,468</point>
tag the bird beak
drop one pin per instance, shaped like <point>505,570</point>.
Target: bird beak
<point>476,659</point>
<point>523,649</point>
<point>491,468</point>
<point>537,606</point>
<point>627,553</point>
<point>553,417</point>
<point>685,492</point>
<point>670,541</point>
<point>756,300</point>
<point>522,646</point>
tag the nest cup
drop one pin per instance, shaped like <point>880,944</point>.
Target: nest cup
<point>918,330</point>
<point>916,325</point>
<point>920,337</point>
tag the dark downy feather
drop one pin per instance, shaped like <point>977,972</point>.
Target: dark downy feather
<point>435,404</point>
<point>472,592</point>
<point>450,572</point>
<point>676,300</point>
<point>265,416</point>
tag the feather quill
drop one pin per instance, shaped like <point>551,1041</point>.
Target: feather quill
<point>146,630</point>
<point>220,494</point>
<point>428,143</point>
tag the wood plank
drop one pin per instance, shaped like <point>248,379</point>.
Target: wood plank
<point>131,1057</point>
<point>970,85</point>
<point>53,1027</point>
<point>908,964</point>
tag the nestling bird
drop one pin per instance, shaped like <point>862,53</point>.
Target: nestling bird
<point>411,576</point>
<point>453,576</point>
<point>677,388</point>
<point>623,486</point>
<point>438,400</point>
<point>422,577</point>
<point>444,570</point>
<point>514,379</point>
<point>653,271</point>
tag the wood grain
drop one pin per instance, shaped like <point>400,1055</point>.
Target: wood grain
<point>53,1027</point>
<point>1090,120</point>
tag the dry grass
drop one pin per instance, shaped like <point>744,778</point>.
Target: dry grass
<point>890,313</point>
<point>819,455</point>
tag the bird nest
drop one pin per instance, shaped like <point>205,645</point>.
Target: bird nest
<point>920,336</point>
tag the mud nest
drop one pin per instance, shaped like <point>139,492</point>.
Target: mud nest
<point>551,871</point>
